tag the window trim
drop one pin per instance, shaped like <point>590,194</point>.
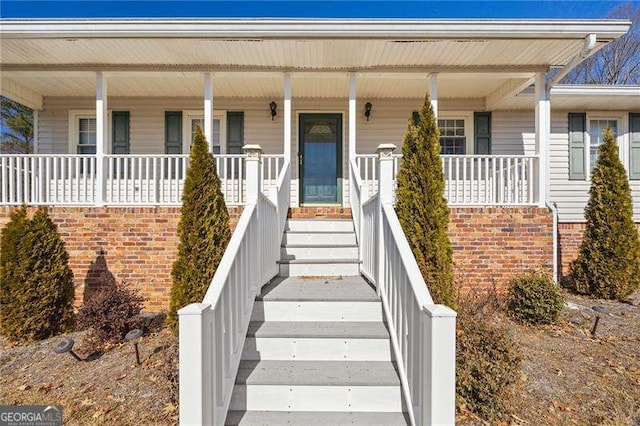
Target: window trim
<point>194,114</point>
<point>73,128</point>
<point>469,134</point>
<point>621,139</point>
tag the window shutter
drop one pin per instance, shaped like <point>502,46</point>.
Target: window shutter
<point>416,117</point>
<point>235,132</point>
<point>577,141</point>
<point>634,147</point>
<point>173,132</point>
<point>120,133</point>
<point>482,133</point>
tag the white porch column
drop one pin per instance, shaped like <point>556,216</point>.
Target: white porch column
<point>543,134</point>
<point>208,109</point>
<point>102,132</point>
<point>287,117</point>
<point>352,116</point>
<point>433,92</point>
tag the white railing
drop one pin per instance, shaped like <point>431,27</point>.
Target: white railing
<point>422,333</point>
<point>47,179</point>
<point>488,180</point>
<point>212,333</point>
<point>130,180</point>
<point>356,197</point>
<point>281,194</point>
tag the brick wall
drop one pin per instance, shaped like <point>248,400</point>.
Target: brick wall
<point>492,245</point>
<point>569,239</point>
<point>136,244</point>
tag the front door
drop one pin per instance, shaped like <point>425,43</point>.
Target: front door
<point>320,153</point>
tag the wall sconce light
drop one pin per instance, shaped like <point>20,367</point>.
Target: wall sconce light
<point>273,106</point>
<point>367,110</point>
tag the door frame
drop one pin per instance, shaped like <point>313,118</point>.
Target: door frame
<point>339,155</point>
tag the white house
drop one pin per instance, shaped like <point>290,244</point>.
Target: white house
<point>300,115</point>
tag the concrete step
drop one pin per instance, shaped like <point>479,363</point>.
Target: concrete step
<point>317,238</point>
<point>290,252</point>
<point>319,267</point>
<point>325,225</point>
<point>268,310</point>
<point>314,418</point>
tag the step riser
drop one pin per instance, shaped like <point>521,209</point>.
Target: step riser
<point>316,398</point>
<point>318,238</point>
<point>309,349</point>
<point>318,253</point>
<point>319,225</point>
<point>316,311</point>
<point>319,269</point>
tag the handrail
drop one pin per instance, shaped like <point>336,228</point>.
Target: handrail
<point>283,194</point>
<point>355,197</point>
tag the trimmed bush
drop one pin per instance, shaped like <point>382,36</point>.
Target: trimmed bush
<point>111,312</point>
<point>608,264</point>
<point>535,299</point>
<point>203,230</point>
<point>487,363</point>
<point>422,208</point>
<point>40,282</point>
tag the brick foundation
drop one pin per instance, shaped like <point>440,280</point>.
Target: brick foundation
<point>569,238</point>
<point>135,244</point>
<point>493,245</point>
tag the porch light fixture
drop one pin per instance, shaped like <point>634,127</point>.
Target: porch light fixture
<point>273,106</point>
<point>367,110</point>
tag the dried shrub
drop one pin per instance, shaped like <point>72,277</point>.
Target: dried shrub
<point>487,361</point>
<point>111,312</point>
<point>535,299</point>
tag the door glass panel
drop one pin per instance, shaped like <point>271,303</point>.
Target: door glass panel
<point>320,138</point>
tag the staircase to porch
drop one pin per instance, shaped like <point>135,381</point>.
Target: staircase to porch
<point>317,350</point>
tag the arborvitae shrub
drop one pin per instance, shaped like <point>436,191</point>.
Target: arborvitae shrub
<point>203,230</point>
<point>608,264</point>
<point>422,208</point>
<point>12,234</point>
<point>487,361</point>
<point>111,312</point>
<point>535,299</point>
<point>41,293</point>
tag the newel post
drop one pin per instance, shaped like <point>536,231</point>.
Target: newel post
<point>253,167</point>
<point>196,373</point>
<point>439,369</point>
<point>386,181</point>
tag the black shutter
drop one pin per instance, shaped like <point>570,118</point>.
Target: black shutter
<point>482,133</point>
<point>120,133</point>
<point>173,132</point>
<point>634,147</point>
<point>235,132</point>
<point>577,147</point>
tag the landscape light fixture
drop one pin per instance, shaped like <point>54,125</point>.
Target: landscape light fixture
<point>133,336</point>
<point>66,345</point>
<point>599,310</point>
<point>367,110</point>
<point>274,109</point>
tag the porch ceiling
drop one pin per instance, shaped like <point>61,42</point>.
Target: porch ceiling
<point>581,98</point>
<point>262,84</point>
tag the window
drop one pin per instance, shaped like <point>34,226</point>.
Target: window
<point>86,142</point>
<point>195,119</point>
<point>596,134</point>
<point>453,138</point>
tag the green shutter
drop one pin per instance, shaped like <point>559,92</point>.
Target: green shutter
<point>577,145</point>
<point>120,133</point>
<point>173,132</point>
<point>416,117</point>
<point>482,133</point>
<point>634,147</point>
<point>235,132</point>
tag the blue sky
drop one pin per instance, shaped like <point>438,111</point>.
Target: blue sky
<point>307,9</point>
